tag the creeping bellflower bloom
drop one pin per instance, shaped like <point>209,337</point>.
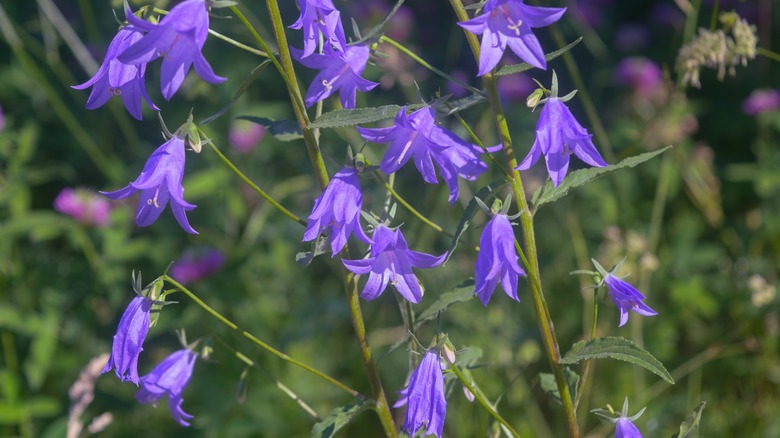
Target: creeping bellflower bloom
<point>83,205</point>
<point>129,339</point>
<point>169,378</point>
<point>338,208</point>
<point>425,397</point>
<point>626,297</point>
<point>624,426</point>
<point>391,261</point>
<point>316,16</point>
<point>497,260</point>
<point>159,180</point>
<point>339,71</point>
<point>558,135</point>
<point>509,23</point>
<point>417,135</point>
<point>178,39</point>
<point>115,78</point>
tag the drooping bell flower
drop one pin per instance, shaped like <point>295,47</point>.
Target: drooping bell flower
<point>128,340</point>
<point>559,135</point>
<point>338,208</point>
<point>509,23</point>
<point>169,379</point>
<point>178,38</point>
<point>159,181</point>
<point>424,396</point>
<point>339,71</point>
<point>391,261</point>
<point>116,78</point>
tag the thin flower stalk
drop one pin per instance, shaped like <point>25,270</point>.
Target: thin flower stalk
<point>549,339</point>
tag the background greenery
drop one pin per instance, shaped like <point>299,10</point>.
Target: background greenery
<point>700,227</point>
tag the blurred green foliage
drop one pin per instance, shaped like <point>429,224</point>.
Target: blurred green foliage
<point>700,228</point>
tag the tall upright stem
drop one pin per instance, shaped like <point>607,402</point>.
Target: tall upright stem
<point>546,329</point>
<point>350,281</point>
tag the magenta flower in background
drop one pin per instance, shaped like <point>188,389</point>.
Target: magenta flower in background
<point>509,23</point>
<point>558,135</point>
<point>632,37</point>
<point>761,101</point>
<point>417,135</point>
<point>178,39</point>
<point>129,339</point>
<point>425,397</point>
<point>338,72</point>
<point>192,266</point>
<point>320,16</point>
<point>83,205</point>
<point>391,261</point>
<point>513,88</point>
<point>245,135</point>
<point>640,74</point>
<point>169,378</point>
<point>497,260</point>
<point>115,78</point>
<point>159,180</point>
<point>338,208</point>
<point>626,298</point>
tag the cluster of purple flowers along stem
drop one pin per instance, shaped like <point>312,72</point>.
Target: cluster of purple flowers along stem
<point>416,136</point>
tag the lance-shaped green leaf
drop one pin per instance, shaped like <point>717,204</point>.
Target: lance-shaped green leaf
<point>351,117</point>
<point>284,130</point>
<point>241,90</point>
<point>691,423</point>
<point>337,419</point>
<point>548,193</point>
<point>463,292</point>
<point>616,348</point>
<point>484,194</point>
<point>550,387</point>
<point>524,66</point>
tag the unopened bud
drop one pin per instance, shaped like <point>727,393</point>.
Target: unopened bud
<point>467,392</point>
<point>533,99</point>
<point>193,138</point>
<point>449,352</point>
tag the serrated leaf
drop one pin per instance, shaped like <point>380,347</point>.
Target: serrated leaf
<point>616,348</point>
<point>550,387</point>
<point>692,422</point>
<point>351,117</point>
<point>548,193</point>
<point>524,66</point>
<point>378,28</point>
<point>462,292</point>
<point>337,419</point>
<point>241,90</point>
<point>283,130</point>
<point>484,194</point>
<point>452,107</point>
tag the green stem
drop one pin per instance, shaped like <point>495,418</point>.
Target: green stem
<point>312,146</point>
<point>282,387</point>
<point>424,63</point>
<point>546,330</point>
<point>260,343</point>
<point>254,186</point>
<point>482,401</point>
<point>587,365</point>
<point>482,145</point>
<point>382,407</point>
<point>241,46</point>
<point>774,56</point>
